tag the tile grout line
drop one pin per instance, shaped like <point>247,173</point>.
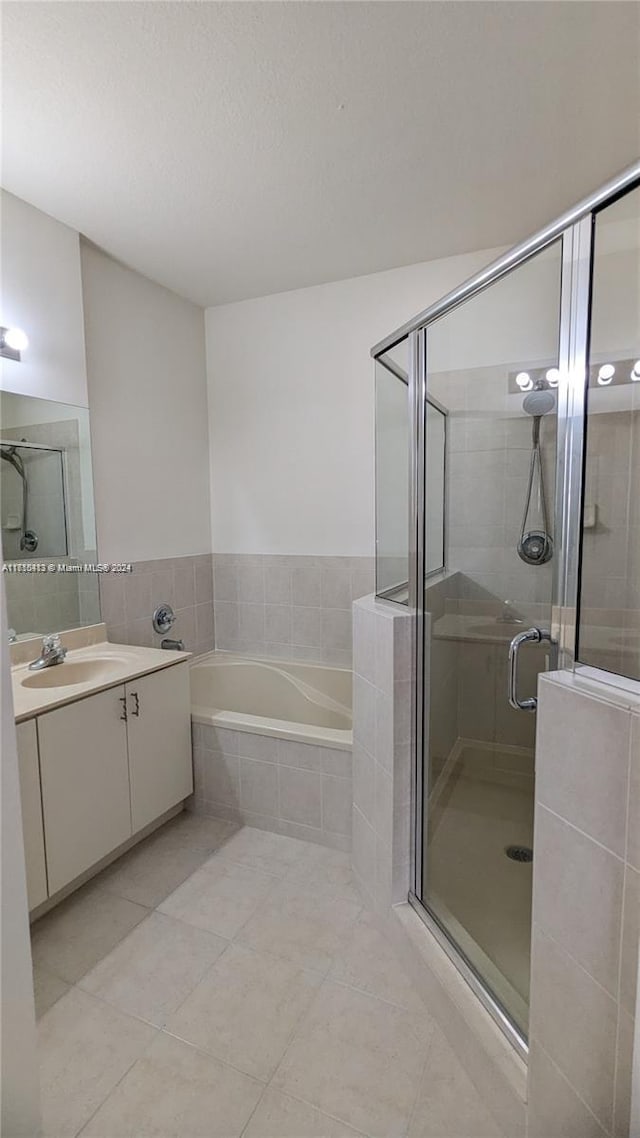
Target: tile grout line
<point>583,833</point>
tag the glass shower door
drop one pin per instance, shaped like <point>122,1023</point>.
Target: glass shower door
<point>491,365</point>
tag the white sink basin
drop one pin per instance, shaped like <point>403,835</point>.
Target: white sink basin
<point>96,670</point>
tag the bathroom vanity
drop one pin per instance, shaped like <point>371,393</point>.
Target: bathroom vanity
<point>104,751</point>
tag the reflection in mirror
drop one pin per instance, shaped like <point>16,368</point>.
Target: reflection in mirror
<point>609,615</point>
<point>46,515</point>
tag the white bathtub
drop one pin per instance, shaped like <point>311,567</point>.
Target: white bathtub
<point>309,703</point>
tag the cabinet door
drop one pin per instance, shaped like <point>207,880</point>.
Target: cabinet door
<point>159,727</point>
<point>85,783</point>
<point>31,813</point>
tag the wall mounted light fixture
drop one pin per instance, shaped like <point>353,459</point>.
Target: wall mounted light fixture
<point>610,374</point>
<point>13,341</point>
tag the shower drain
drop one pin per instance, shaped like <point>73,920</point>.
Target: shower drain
<point>519,853</point>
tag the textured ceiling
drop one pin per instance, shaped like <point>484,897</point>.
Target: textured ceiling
<point>229,150</point>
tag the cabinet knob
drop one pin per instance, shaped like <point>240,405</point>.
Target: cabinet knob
<point>136,709</point>
<point>123,701</point>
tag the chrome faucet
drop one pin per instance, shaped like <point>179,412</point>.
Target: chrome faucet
<point>52,653</point>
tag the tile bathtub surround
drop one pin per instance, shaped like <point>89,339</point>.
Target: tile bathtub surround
<point>128,601</point>
<point>298,1019</point>
<point>382,664</point>
<point>300,789</point>
<point>585,907</point>
<point>289,607</point>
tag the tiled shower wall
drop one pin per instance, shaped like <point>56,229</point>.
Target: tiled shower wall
<point>289,607</point>
<point>382,663</point>
<point>487,475</point>
<point>586,905</point>
<point>128,601</point>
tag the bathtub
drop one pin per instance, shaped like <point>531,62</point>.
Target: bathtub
<point>272,745</point>
<point>307,702</point>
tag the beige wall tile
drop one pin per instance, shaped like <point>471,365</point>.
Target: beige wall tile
<point>300,796</point>
<point>633,832</point>
<point>555,1110</point>
<point>578,896</point>
<point>630,939</point>
<point>575,1020</point>
<point>582,762</point>
<point>337,796</point>
<point>258,787</point>
<point>624,1075</point>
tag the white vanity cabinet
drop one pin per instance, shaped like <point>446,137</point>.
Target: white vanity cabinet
<point>31,802</point>
<point>85,783</point>
<point>110,764</point>
<point>159,734</point>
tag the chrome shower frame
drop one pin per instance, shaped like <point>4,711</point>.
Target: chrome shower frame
<point>575,229</point>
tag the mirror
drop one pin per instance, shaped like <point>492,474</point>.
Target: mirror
<point>47,516</point>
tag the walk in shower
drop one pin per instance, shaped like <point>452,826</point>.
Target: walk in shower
<point>499,524</point>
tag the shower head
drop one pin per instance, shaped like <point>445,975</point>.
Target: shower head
<point>539,402</point>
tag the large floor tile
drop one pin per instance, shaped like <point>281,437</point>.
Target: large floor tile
<point>196,832</point>
<point>85,1049</point>
<point>448,1105</point>
<point>152,870</point>
<point>74,936</point>
<point>279,1116</point>
<point>323,870</point>
<point>305,928</point>
<point>219,897</point>
<point>246,1009</point>
<point>47,988</point>
<point>357,1059</point>
<point>175,1091</point>
<point>262,850</point>
<point>154,969</point>
<point>369,963</point>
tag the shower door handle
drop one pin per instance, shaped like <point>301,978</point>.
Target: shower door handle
<point>531,636</point>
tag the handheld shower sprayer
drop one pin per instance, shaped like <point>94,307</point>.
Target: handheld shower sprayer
<point>535,546</point>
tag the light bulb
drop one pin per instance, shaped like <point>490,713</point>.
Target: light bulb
<point>553,376</point>
<point>606,374</point>
<point>524,381</point>
<point>16,339</point>
<point>634,374</point>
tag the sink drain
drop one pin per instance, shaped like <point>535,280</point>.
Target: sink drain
<point>519,853</point>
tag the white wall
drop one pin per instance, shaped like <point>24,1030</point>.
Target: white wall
<point>291,400</point>
<point>20,1091</point>
<point>149,422</point>
<point>41,293</point>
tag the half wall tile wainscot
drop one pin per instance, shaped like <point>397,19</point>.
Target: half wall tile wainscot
<point>288,607</point>
<point>382,663</point>
<point>128,601</point>
<point>586,895</point>
<point>302,790</point>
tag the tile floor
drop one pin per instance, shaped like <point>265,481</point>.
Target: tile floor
<point>219,982</point>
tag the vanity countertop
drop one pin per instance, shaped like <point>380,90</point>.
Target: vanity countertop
<point>88,670</point>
